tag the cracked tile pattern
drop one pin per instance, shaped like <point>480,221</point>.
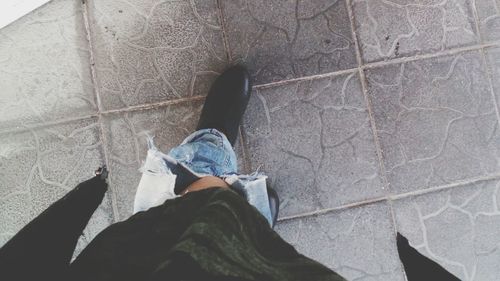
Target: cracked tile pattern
<point>45,67</point>
<point>149,51</point>
<point>288,39</point>
<point>458,228</point>
<point>389,29</point>
<point>436,121</point>
<point>488,12</point>
<point>38,167</point>
<point>358,243</point>
<point>314,140</point>
<point>126,144</point>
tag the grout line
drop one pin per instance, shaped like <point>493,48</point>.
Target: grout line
<point>378,148</point>
<point>28,127</point>
<point>305,78</point>
<point>444,53</point>
<point>99,108</point>
<point>371,65</point>
<point>489,76</point>
<point>153,105</point>
<point>262,86</point>
<point>333,209</point>
<point>476,20</point>
<point>224,34</point>
<point>91,52</point>
<point>443,187</point>
<point>100,114</point>
<point>391,198</point>
<point>364,88</point>
<point>488,69</point>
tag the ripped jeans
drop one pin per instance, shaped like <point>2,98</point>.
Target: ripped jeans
<point>206,152</point>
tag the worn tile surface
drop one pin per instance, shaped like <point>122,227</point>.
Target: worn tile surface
<point>457,228</point>
<point>389,29</point>
<point>436,121</point>
<point>288,39</point>
<point>488,12</point>
<point>45,67</point>
<point>37,167</point>
<point>358,243</point>
<point>314,140</point>
<point>151,51</point>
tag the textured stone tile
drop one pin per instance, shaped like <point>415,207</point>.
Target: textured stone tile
<point>389,29</point>
<point>436,120</point>
<point>358,243</point>
<point>288,39</point>
<point>149,50</point>
<point>314,140</point>
<point>458,228</point>
<point>40,166</point>
<point>493,60</point>
<point>45,67</point>
<point>488,12</point>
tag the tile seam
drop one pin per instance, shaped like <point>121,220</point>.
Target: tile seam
<point>256,87</point>
<point>369,107</point>
<point>99,108</point>
<point>225,37</point>
<point>391,198</point>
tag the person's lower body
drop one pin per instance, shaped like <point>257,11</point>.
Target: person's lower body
<point>209,150</point>
<point>43,248</point>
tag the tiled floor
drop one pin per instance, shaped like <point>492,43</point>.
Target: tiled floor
<point>370,117</point>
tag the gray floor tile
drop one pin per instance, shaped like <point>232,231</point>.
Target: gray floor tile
<point>358,243</point>
<point>488,12</point>
<point>436,120</point>
<point>388,29</point>
<point>313,138</point>
<point>45,67</point>
<point>38,167</point>
<point>149,51</point>
<point>289,39</point>
<point>458,228</point>
<point>493,59</point>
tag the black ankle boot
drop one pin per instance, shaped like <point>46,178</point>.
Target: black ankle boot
<point>226,102</point>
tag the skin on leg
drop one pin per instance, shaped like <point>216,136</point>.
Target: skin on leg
<point>204,183</point>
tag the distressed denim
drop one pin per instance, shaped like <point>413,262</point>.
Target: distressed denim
<point>205,152</point>
<point>208,152</point>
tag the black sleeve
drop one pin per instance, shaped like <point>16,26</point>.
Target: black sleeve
<point>42,250</point>
<point>417,266</point>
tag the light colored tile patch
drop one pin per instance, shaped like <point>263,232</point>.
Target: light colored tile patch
<point>289,39</point>
<point>314,140</point>
<point>45,67</point>
<point>127,147</point>
<point>40,166</point>
<point>488,12</point>
<point>150,51</point>
<point>11,10</point>
<point>436,121</point>
<point>389,29</point>
<point>358,243</point>
<point>458,228</point>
